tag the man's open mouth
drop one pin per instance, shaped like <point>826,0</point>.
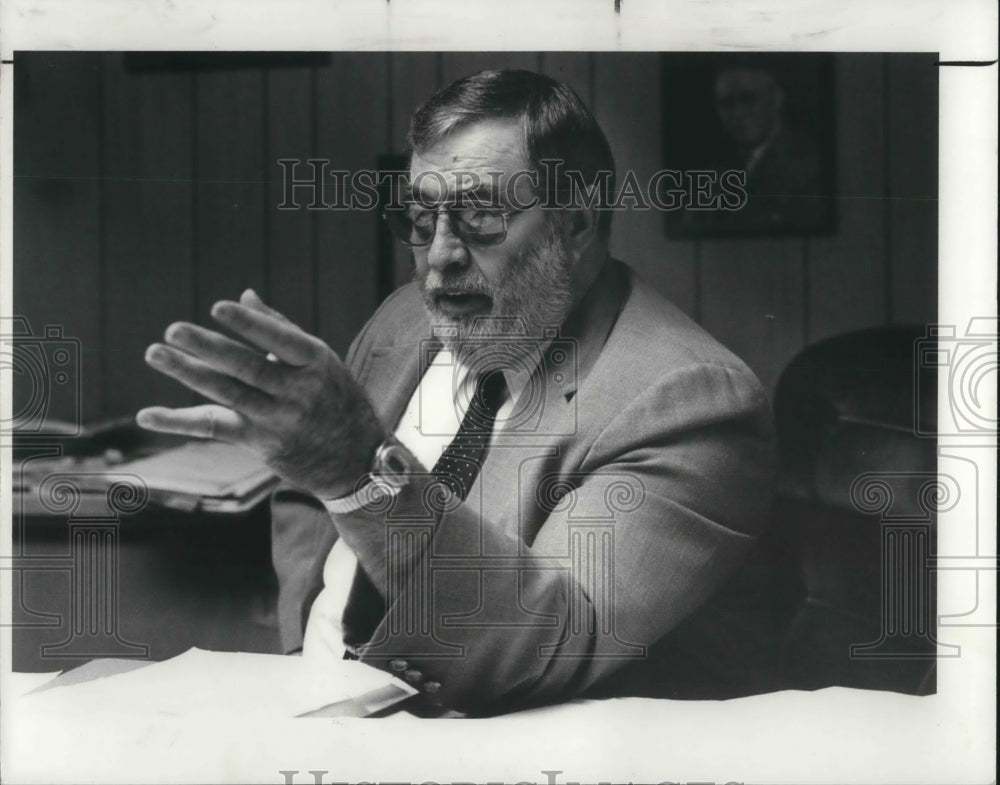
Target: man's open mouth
<point>455,302</point>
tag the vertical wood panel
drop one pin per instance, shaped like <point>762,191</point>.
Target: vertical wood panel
<point>847,270</point>
<point>57,215</point>
<point>414,79</point>
<point>352,133</point>
<point>627,104</point>
<point>912,92</point>
<point>291,232</point>
<point>230,191</point>
<point>149,240</point>
<point>752,301</point>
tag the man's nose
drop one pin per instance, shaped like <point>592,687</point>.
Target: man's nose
<point>446,248</point>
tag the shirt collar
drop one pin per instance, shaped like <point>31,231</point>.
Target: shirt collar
<point>516,378</point>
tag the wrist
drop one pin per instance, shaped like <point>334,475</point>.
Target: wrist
<point>332,481</point>
<point>389,471</point>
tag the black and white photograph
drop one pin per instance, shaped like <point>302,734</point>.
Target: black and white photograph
<point>390,410</point>
<point>762,124</point>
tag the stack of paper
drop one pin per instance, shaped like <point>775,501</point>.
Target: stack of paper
<point>203,683</point>
<point>211,475</point>
<point>215,473</point>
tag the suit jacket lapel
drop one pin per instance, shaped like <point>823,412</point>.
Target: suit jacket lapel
<point>509,476</point>
<point>520,450</point>
<point>390,377</point>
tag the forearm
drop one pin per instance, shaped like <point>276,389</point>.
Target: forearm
<point>520,595</point>
<point>523,624</point>
<point>485,628</point>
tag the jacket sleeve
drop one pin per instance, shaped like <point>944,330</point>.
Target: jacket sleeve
<point>695,449</point>
<point>301,534</point>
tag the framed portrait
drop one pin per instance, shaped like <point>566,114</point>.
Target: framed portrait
<point>748,142</point>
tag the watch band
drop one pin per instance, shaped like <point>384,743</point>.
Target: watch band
<point>389,474</point>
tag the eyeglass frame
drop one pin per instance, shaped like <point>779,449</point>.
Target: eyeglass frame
<point>452,207</point>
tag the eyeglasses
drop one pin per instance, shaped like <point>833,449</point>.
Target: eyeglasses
<point>414,225</point>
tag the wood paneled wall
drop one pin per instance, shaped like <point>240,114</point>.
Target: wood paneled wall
<point>141,196</point>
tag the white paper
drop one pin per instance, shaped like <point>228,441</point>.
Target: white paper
<point>202,469</point>
<point>199,683</point>
<point>23,683</point>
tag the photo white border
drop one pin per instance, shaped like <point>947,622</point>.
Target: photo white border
<point>821,737</point>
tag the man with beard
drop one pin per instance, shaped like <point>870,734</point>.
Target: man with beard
<point>531,476</point>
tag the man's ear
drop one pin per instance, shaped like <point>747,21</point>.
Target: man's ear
<point>581,230</point>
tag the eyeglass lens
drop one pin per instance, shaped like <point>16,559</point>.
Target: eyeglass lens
<point>415,225</point>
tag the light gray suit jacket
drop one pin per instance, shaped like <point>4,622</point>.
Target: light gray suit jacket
<point>591,553</point>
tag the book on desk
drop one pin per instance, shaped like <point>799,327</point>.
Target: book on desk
<point>191,474</point>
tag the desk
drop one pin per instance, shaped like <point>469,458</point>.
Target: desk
<point>833,735</point>
<point>181,580</point>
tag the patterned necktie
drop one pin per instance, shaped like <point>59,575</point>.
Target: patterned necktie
<point>459,464</point>
<point>457,468</point>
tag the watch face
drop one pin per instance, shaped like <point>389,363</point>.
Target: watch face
<point>392,463</point>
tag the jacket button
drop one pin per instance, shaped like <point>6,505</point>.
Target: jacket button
<point>432,686</point>
<point>399,665</point>
<point>413,676</point>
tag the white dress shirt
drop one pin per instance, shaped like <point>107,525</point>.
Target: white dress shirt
<point>428,425</point>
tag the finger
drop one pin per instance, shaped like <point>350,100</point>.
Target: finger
<point>205,422</point>
<point>288,342</point>
<point>251,299</point>
<point>226,355</point>
<point>202,378</point>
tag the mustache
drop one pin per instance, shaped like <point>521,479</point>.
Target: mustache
<point>434,285</point>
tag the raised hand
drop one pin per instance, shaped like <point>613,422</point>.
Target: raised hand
<point>298,406</point>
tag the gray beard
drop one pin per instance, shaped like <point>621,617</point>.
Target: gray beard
<point>530,301</point>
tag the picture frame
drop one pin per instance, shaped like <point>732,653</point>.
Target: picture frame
<point>749,141</point>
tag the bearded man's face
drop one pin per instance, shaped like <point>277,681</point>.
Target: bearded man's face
<point>516,287</point>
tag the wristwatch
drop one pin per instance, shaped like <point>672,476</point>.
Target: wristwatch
<point>389,474</point>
